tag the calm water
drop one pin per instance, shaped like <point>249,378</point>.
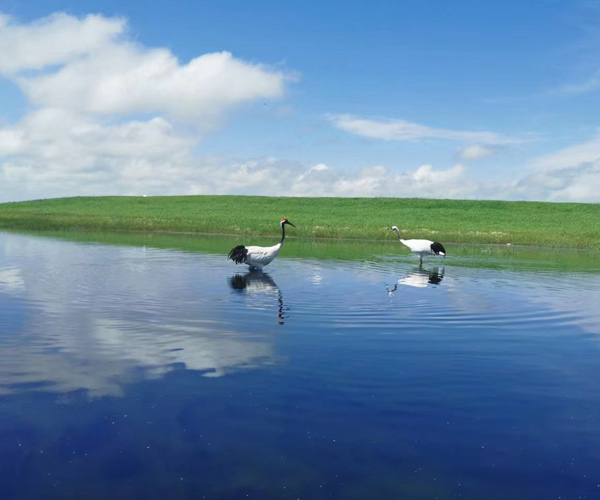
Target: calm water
<point>131,370</point>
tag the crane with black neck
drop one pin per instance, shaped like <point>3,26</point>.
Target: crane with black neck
<point>258,257</point>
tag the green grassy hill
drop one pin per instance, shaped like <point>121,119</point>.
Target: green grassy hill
<point>574,225</point>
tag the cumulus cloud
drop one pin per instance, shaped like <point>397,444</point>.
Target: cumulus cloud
<point>88,65</point>
<point>124,80</point>
<point>100,161</point>
<point>108,115</point>
<point>400,130</point>
<point>77,156</point>
<point>580,183</point>
<point>56,152</point>
<point>89,85</point>
<point>571,182</point>
<point>64,153</point>
<point>53,40</point>
<point>277,177</point>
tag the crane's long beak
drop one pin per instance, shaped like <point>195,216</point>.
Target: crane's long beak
<point>288,222</point>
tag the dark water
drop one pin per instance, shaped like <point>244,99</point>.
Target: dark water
<point>136,372</point>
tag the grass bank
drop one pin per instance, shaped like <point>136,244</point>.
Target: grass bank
<point>573,225</point>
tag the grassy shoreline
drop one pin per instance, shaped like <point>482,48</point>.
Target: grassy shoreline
<point>569,225</point>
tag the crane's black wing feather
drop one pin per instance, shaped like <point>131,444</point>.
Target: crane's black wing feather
<point>438,248</point>
<point>239,254</point>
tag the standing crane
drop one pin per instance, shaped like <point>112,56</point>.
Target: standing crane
<point>421,247</point>
<point>257,257</point>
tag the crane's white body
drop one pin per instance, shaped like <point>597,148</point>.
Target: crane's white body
<point>418,246</point>
<point>258,257</point>
<point>421,248</point>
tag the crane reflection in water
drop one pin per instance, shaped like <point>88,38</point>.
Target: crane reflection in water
<point>420,277</point>
<point>259,282</point>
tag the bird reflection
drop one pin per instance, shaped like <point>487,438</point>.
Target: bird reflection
<point>420,277</point>
<point>257,281</point>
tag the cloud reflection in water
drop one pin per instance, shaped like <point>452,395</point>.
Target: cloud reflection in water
<point>95,318</point>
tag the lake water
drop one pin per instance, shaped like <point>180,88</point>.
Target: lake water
<point>151,367</point>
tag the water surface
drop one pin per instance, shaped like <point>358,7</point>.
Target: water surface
<point>148,366</point>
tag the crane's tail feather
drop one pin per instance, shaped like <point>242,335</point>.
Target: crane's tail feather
<point>238,254</point>
<point>438,248</point>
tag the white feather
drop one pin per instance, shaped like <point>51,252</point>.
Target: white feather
<point>418,246</point>
<point>259,257</point>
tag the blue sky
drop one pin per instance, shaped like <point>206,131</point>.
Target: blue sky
<point>429,99</point>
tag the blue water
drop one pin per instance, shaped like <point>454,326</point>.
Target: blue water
<point>130,372</point>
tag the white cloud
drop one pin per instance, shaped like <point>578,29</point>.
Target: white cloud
<point>124,80</point>
<point>88,85</point>
<point>276,177</point>
<point>580,183</point>
<point>475,152</point>
<point>400,130</point>
<point>65,154</point>
<point>111,116</point>
<point>585,152</point>
<point>88,65</point>
<point>56,39</point>
<point>570,174</point>
<point>82,157</point>
<point>55,152</point>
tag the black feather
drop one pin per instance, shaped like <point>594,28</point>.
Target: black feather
<point>238,254</point>
<point>238,282</point>
<point>436,248</point>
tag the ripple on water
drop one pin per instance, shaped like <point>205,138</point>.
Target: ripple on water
<point>358,297</point>
<point>476,374</point>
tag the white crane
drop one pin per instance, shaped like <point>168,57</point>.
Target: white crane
<point>257,257</point>
<point>421,247</point>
